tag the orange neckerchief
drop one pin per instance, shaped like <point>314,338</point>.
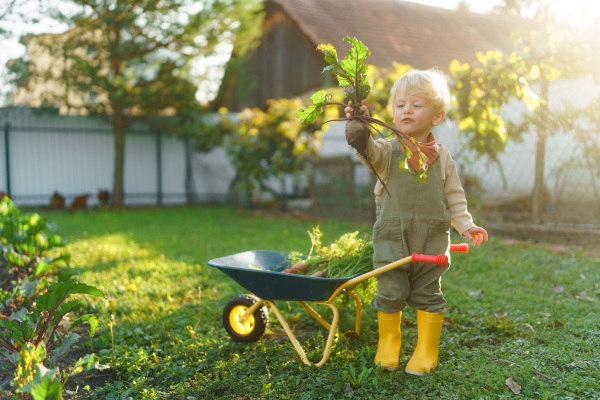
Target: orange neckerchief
<point>429,149</point>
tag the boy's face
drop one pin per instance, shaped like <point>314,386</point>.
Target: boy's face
<point>415,115</point>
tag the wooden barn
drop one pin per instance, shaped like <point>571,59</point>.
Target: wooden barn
<point>286,63</point>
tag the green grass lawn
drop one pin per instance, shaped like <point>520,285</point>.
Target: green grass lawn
<point>517,310</point>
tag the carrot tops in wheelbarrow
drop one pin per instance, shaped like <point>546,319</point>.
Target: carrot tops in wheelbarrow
<point>349,255</point>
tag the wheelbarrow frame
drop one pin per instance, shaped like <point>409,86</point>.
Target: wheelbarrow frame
<point>345,288</point>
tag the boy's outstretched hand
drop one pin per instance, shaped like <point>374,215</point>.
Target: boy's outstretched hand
<point>348,110</point>
<point>477,234</point>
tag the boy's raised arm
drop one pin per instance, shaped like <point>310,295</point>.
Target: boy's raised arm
<point>358,136</point>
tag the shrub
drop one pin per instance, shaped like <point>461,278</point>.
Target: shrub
<point>28,246</point>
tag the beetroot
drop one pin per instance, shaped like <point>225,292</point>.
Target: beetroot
<point>351,75</point>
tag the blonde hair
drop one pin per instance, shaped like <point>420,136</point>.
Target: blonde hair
<point>430,84</point>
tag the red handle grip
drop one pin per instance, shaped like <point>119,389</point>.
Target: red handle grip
<point>441,260</point>
<point>463,247</point>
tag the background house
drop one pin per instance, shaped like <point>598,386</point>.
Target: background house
<point>287,64</point>
<point>50,86</point>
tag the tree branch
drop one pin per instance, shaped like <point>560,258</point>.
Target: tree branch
<point>8,9</point>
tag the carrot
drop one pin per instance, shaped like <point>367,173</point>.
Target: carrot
<point>296,268</point>
<point>289,271</point>
<point>320,274</point>
<point>299,266</point>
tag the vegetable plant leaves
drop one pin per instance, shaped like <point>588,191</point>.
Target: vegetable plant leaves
<point>43,387</point>
<point>70,339</point>
<point>59,291</point>
<point>92,320</point>
<point>330,55</point>
<point>19,316</point>
<point>87,363</point>
<point>354,67</point>
<point>15,332</point>
<point>42,267</point>
<point>318,101</point>
<point>350,73</point>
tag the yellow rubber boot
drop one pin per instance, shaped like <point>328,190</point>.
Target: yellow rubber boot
<point>390,340</point>
<point>425,357</point>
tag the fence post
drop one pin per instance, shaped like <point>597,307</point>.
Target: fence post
<point>7,157</point>
<point>159,194</point>
<point>189,192</point>
<point>539,186</point>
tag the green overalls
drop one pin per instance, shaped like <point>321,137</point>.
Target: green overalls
<point>414,219</point>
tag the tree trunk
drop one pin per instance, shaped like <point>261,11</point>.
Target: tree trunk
<point>119,126</point>
<point>539,189</point>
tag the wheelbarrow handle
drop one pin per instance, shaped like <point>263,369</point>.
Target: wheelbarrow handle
<point>462,247</point>
<point>441,260</point>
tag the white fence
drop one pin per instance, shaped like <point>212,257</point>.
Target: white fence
<point>43,153</point>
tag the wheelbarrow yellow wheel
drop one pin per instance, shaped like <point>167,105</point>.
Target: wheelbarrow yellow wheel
<point>250,330</point>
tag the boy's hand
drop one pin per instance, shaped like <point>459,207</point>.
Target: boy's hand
<point>349,110</point>
<point>477,234</point>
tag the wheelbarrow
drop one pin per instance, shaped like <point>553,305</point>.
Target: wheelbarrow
<point>246,316</point>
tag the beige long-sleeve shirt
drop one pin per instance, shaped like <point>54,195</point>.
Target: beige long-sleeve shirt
<point>380,152</point>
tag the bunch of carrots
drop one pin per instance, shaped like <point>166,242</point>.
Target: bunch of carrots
<point>350,254</point>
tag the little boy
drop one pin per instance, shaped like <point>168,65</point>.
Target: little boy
<point>413,217</point>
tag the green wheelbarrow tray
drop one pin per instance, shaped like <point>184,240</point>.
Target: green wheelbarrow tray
<point>245,317</point>
<point>259,271</point>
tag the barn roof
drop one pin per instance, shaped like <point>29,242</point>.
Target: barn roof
<point>401,31</point>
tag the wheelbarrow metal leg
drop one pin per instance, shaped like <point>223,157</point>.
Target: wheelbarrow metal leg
<point>315,314</point>
<point>332,331</point>
<point>358,311</point>
<point>289,332</point>
<point>296,344</point>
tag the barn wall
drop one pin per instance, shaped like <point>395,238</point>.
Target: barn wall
<point>284,64</point>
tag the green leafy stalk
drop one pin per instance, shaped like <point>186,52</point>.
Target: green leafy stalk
<point>318,101</point>
<point>350,254</point>
<point>350,73</point>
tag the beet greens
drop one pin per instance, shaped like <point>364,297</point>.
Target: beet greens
<point>351,75</point>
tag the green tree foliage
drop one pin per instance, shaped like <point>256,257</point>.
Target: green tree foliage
<point>485,86</point>
<point>134,57</point>
<point>518,7</point>
<point>271,143</point>
<point>482,89</point>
